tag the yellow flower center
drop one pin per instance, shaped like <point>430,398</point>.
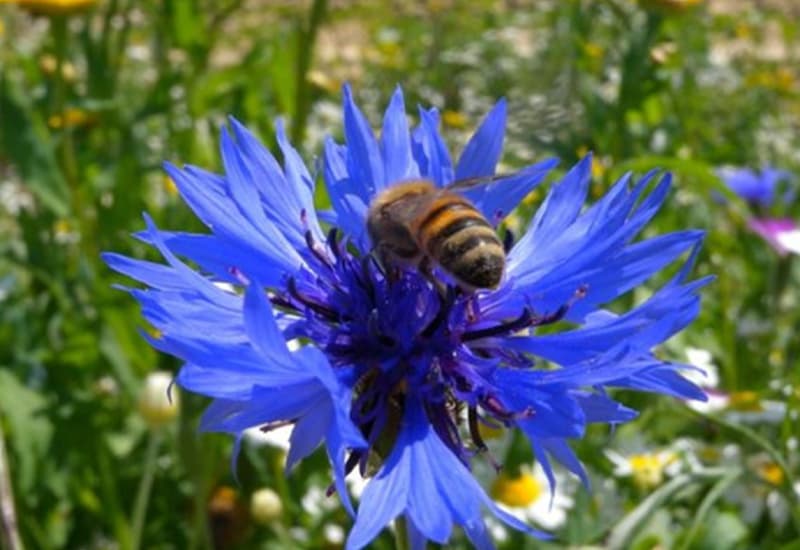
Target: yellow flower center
<point>647,469</point>
<point>170,186</point>
<point>745,401</point>
<point>71,118</point>
<point>518,492</point>
<point>771,473</point>
<point>454,119</point>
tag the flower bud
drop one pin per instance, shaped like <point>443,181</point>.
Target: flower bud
<point>158,404</point>
<point>265,506</point>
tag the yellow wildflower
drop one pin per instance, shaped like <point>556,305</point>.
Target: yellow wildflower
<point>518,491</point>
<point>454,119</point>
<point>54,7</point>
<point>745,401</point>
<point>771,473</point>
<point>72,117</point>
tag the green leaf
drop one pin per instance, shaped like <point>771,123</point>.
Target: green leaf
<point>626,530</point>
<point>723,531</point>
<point>700,516</point>
<point>27,143</point>
<point>31,432</point>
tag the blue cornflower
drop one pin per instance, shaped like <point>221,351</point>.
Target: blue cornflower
<point>396,374</point>
<point>757,187</point>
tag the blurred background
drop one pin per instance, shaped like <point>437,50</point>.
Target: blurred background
<point>94,95</point>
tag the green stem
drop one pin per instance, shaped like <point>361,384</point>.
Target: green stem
<point>195,458</point>
<point>401,534</point>
<point>636,68</point>
<point>305,50</point>
<point>59,104</point>
<point>9,534</point>
<point>145,485</point>
<point>787,487</point>
<point>730,364</point>
<point>112,508</point>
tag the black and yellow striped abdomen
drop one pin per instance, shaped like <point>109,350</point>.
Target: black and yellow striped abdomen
<point>453,233</point>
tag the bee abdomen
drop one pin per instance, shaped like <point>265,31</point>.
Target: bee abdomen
<point>474,256</point>
<point>452,229</point>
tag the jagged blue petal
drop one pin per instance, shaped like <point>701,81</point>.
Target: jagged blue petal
<point>599,407</point>
<point>398,160</point>
<point>498,199</point>
<point>224,259</point>
<point>220,212</point>
<point>429,149</point>
<point>482,152</point>
<point>364,162</point>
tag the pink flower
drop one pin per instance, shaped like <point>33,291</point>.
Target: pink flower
<point>782,233</point>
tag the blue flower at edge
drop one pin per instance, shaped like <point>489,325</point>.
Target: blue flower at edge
<point>756,186</point>
<point>392,366</point>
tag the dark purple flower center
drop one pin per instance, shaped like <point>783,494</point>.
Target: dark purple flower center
<point>391,331</point>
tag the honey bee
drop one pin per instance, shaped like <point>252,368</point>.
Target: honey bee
<point>416,223</point>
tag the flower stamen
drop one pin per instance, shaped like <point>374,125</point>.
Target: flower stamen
<point>446,303</point>
<point>522,322</point>
<point>318,251</point>
<point>318,308</point>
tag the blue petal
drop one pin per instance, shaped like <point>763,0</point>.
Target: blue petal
<point>562,452</point>
<point>187,276</point>
<point>424,507</point>
<point>307,434</point>
<point>266,404</point>
<point>478,535</point>
<point>429,149</point>
<point>223,215</point>
<point>240,185</point>
<point>396,142</point>
<point>664,380</point>
<point>287,200</point>
<point>440,486</point>
<point>227,260</point>
<point>183,315</point>
<point>341,436</point>
<point>560,208</point>
<point>348,199</point>
<point>665,313</point>
<point>496,200</point>
<point>601,408</point>
<point>384,498</point>
<point>364,163</point>
<point>482,152</point>
<point>155,275</point>
<point>591,253</point>
<point>261,328</point>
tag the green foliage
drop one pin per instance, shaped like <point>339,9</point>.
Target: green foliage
<point>91,103</point>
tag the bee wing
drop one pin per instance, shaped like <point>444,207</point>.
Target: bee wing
<point>405,210</point>
<point>476,182</point>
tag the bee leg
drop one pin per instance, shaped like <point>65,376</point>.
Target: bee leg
<point>378,255</point>
<point>425,267</point>
<point>477,439</point>
<point>508,241</point>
